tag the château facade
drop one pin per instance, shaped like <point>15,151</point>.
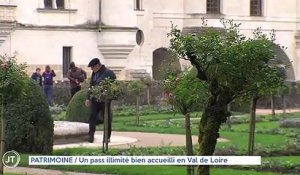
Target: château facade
<point>130,36</point>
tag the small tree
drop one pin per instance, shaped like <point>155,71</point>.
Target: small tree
<point>264,87</point>
<point>137,88</point>
<point>12,85</point>
<point>187,94</point>
<point>148,82</point>
<point>106,91</point>
<point>230,65</point>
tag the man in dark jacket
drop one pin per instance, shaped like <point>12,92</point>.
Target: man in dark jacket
<point>37,77</point>
<point>100,72</point>
<point>76,76</point>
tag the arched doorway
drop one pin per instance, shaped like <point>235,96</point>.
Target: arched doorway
<point>281,58</point>
<point>162,60</point>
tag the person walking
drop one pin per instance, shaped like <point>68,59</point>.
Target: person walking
<point>48,84</point>
<point>100,72</point>
<point>76,76</point>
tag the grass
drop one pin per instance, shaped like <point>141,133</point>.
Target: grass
<point>151,117</point>
<point>238,137</point>
<point>263,126</point>
<point>241,139</point>
<point>292,159</point>
<point>150,170</point>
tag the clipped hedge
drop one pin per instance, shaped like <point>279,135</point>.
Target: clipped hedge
<point>76,109</point>
<point>29,124</point>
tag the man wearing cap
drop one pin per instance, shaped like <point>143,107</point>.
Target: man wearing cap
<point>100,72</point>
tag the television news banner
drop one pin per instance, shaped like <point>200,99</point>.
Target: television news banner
<point>12,158</point>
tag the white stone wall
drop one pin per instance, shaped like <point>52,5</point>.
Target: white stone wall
<point>43,45</point>
<point>77,12</point>
<point>46,46</point>
<point>118,13</point>
<point>155,22</point>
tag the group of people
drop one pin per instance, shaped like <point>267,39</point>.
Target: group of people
<point>76,76</point>
<point>45,80</point>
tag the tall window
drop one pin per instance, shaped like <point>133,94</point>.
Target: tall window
<point>67,57</point>
<point>255,7</point>
<point>213,6</point>
<point>60,4</point>
<point>137,4</point>
<point>48,4</point>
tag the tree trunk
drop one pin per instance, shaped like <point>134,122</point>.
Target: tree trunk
<point>105,133</point>
<point>2,137</point>
<point>137,110</point>
<point>283,106</point>
<point>252,126</point>
<point>273,105</point>
<point>228,120</point>
<point>148,95</point>
<point>189,142</point>
<point>215,113</point>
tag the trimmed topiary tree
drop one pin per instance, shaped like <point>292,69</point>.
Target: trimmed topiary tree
<point>76,110</point>
<point>29,124</point>
<point>106,91</point>
<point>12,85</point>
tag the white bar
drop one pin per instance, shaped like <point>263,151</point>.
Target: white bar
<point>144,160</point>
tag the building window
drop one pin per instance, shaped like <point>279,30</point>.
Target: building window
<point>48,4</point>
<point>137,4</point>
<point>139,37</point>
<point>60,4</point>
<point>255,7</point>
<point>67,57</point>
<point>213,6</point>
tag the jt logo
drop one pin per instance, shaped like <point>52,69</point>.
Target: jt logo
<point>11,159</point>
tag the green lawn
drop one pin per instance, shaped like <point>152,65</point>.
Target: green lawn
<point>241,139</point>
<point>264,126</point>
<point>150,117</point>
<point>238,137</point>
<point>292,159</point>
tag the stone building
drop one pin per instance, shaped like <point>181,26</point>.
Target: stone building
<point>130,36</point>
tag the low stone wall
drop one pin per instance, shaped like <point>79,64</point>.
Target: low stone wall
<point>290,123</point>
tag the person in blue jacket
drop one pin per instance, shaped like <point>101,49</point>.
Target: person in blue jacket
<point>48,83</point>
<point>100,72</point>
